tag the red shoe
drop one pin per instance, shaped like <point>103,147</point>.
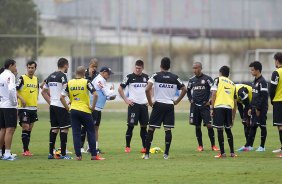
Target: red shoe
<point>97,158</point>
<point>280,156</point>
<point>127,150</point>
<point>200,148</point>
<point>220,155</point>
<point>143,150</point>
<point>79,158</point>
<point>214,148</point>
<point>233,155</point>
<point>27,153</point>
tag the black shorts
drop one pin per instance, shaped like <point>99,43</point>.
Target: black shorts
<point>277,113</point>
<point>199,114</point>
<point>96,115</point>
<point>59,117</point>
<point>138,112</point>
<point>162,113</point>
<point>258,120</point>
<point>8,117</point>
<point>27,116</point>
<point>222,117</point>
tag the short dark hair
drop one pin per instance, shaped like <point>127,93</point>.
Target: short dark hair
<point>139,63</point>
<point>31,63</point>
<point>278,57</point>
<point>165,63</point>
<point>224,70</point>
<point>62,62</point>
<point>8,63</point>
<point>257,65</point>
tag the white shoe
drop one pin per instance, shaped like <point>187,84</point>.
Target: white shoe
<point>83,150</point>
<point>277,151</point>
<point>165,156</point>
<point>260,149</point>
<point>146,156</point>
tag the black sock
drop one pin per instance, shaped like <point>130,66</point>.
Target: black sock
<point>83,135</point>
<point>263,136</point>
<point>280,135</point>
<point>3,150</point>
<point>149,140</point>
<point>168,138</point>
<point>29,134</point>
<point>25,140</point>
<point>252,135</point>
<point>64,139</point>
<point>128,135</point>
<point>199,135</point>
<point>52,141</point>
<point>211,136</point>
<point>246,131</point>
<point>143,134</point>
<point>230,139</point>
<point>220,140</point>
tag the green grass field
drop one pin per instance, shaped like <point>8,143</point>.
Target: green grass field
<point>184,166</point>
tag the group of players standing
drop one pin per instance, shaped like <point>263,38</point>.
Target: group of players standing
<point>78,104</point>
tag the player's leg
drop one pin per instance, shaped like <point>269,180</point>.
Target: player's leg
<point>228,126</point>
<point>262,125</point>
<point>218,122</point>
<point>65,124</point>
<point>195,120</point>
<point>97,115</point>
<point>53,131</point>
<point>169,119</point>
<point>143,119</point>
<point>83,136</point>
<point>76,119</point>
<point>132,119</point>
<point>205,114</point>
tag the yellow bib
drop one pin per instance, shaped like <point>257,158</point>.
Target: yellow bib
<point>225,92</point>
<point>29,91</point>
<point>278,92</point>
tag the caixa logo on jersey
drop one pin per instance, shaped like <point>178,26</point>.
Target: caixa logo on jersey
<point>140,85</point>
<point>165,85</point>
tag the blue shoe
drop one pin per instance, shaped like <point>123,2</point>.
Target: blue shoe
<point>66,157</point>
<point>51,156</point>
<point>260,149</point>
<point>241,149</point>
<point>10,158</point>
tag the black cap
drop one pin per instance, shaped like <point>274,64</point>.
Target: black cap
<point>106,69</point>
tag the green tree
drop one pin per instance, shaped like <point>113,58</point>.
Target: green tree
<point>18,28</point>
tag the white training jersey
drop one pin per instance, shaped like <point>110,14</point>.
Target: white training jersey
<point>8,92</point>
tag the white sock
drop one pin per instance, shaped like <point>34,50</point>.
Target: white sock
<point>97,145</point>
<point>0,152</point>
<point>7,153</point>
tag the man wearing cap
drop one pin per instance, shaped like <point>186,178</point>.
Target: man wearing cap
<point>104,93</point>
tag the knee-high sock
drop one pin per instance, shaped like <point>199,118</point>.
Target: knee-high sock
<point>230,139</point>
<point>280,135</point>
<point>211,136</point>
<point>263,136</point>
<point>199,135</point>
<point>246,131</point>
<point>149,140</point>
<point>52,141</point>
<point>25,139</point>
<point>64,139</point>
<point>168,138</point>
<point>143,134</point>
<point>220,140</point>
<point>252,135</point>
<point>128,135</point>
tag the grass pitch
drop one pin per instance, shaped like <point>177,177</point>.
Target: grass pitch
<point>185,165</point>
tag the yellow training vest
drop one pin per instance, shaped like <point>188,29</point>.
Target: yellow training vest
<point>249,88</point>
<point>225,92</point>
<point>278,92</point>
<point>79,95</point>
<point>29,91</point>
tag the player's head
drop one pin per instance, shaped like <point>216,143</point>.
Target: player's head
<point>165,63</point>
<point>93,64</point>
<point>80,71</point>
<point>255,68</point>
<point>31,67</point>
<point>10,64</point>
<point>63,64</point>
<point>197,68</point>
<point>224,71</point>
<point>139,66</point>
<point>278,59</point>
<point>106,72</point>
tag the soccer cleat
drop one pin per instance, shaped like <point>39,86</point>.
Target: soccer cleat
<point>97,157</point>
<point>9,158</point>
<point>51,156</point>
<point>200,148</point>
<point>78,158</point>
<point>27,153</point>
<point>143,150</point>
<point>146,156</point>
<point>220,155</point>
<point>241,149</point>
<point>127,150</point>
<point>248,148</point>
<point>214,148</point>
<point>260,149</point>
<point>66,157</point>
<point>233,155</point>
<point>165,156</point>
<point>277,151</point>
<point>280,156</point>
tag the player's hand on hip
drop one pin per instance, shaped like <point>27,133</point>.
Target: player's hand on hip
<point>23,102</point>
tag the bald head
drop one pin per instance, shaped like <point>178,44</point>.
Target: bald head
<point>80,71</point>
<point>197,68</point>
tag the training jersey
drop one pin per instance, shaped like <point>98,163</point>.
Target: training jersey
<point>28,88</point>
<point>94,74</point>
<point>136,87</point>
<point>8,93</point>
<point>243,92</point>
<point>165,86</point>
<point>260,94</point>
<point>276,86</point>
<point>225,92</point>
<point>78,91</point>
<point>103,91</point>
<point>198,89</point>
<point>56,82</point>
